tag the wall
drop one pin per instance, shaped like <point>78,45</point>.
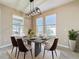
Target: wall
<point>6,14</point>
<point>27,25</point>
<point>67,18</point>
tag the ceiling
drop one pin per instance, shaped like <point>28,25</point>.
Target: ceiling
<point>44,5</point>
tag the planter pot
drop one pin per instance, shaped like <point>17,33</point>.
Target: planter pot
<point>72,44</point>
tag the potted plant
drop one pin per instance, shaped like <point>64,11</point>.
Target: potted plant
<point>72,38</point>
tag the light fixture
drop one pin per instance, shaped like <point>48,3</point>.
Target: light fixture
<point>33,10</point>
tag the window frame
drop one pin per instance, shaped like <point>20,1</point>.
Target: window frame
<point>44,23</point>
<point>19,22</point>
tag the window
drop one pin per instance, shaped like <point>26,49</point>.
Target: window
<point>50,25</point>
<point>17,25</point>
<point>47,26</point>
<point>39,26</point>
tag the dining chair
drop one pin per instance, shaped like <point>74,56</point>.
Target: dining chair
<point>52,48</point>
<point>14,44</point>
<point>23,48</point>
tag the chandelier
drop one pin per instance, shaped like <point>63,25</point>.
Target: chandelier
<point>33,10</point>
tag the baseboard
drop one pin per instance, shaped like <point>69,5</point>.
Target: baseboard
<point>65,46</point>
<point>5,45</point>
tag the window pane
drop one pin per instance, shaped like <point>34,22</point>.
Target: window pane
<point>50,25</point>
<point>17,22</point>
<point>39,21</point>
<point>39,26</point>
<point>40,29</point>
<point>50,30</point>
<point>51,19</point>
<point>17,26</point>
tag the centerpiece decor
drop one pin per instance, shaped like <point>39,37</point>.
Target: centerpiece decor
<point>31,33</point>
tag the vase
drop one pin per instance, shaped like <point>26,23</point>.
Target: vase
<point>72,44</point>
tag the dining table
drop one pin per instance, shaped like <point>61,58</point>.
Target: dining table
<point>37,41</point>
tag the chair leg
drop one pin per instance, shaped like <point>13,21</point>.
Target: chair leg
<point>18,55</point>
<point>31,53</point>
<point>12,49</point>
<point>52,55</point>
<point>55,52</point>
<point>44,54</point>
<point>16,52</point>
<point>24,54</point>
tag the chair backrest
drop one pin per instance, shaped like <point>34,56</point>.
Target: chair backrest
<point>14,42</point>
<point>54,44</point>
<point>21,45</point>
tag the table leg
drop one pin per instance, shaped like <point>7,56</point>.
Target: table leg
<point>37,49</point>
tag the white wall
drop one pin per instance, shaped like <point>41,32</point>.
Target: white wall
<point>67,19</point>
<point>27,25</point>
